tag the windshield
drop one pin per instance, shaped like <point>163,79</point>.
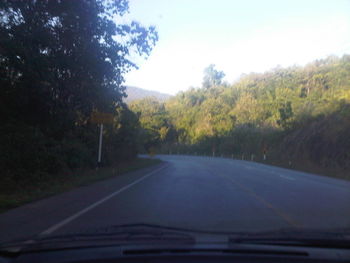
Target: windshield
<point>228,117</point>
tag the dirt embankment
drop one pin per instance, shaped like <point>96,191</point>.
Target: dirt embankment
<point>321,146</point>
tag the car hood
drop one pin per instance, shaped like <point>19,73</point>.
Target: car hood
<point>146,234</point>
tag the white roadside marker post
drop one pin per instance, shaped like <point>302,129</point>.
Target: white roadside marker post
<point>100,146</point>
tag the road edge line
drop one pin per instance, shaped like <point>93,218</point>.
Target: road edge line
<point>55,227</point>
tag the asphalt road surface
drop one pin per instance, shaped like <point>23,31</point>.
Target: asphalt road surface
<point>204,193</point>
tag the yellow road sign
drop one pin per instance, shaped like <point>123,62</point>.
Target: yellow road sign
<point>100,117</point>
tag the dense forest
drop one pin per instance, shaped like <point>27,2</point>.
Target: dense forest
<point>61,61</point>
<point>295,116</point>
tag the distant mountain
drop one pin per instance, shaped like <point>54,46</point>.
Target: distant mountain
<point>135,93</point>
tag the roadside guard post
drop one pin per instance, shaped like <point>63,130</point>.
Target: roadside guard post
<point>264,153</point>
<point>101,118</point>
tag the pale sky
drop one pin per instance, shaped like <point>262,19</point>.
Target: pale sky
<point>237,36</point>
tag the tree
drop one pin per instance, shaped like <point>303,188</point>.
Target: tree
<point>153,120</point>
<point>286,113</point>
<point>260,111</point>
<point>60,60</point>
<point>212,77</point>
<point>247,110</point>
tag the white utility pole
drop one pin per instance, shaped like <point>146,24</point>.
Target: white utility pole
<point>100,145</point>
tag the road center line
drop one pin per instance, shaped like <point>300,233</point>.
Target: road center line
<point>271,172</point>
<point>287,177</point>
<point>281,214</point>
<point>90,207</point>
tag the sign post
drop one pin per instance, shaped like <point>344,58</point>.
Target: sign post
<point>101,118</point>
<point>264,151</point>
<point>100,145</point>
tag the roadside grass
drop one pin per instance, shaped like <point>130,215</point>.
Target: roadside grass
<point>17,195</point>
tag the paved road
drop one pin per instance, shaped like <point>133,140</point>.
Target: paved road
<point>214,194</point>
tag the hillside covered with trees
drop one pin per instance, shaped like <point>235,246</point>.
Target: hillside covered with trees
<point>297,116</point>
<point>135,93</point>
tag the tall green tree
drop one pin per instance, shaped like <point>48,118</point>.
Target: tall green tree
<point>60,60</point>
<point>64,58</point>
<point>154,120</point>
<point>212,77</point>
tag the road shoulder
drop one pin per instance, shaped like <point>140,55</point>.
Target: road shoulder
<point>35,217</point>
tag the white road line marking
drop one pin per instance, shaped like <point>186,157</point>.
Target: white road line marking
<point>85,210</point>
<point>270,171</point>
<point>287,177</point>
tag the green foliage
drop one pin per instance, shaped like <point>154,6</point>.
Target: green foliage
<point>283,112</point>
<point>122,138</point>
<point>155,123</point>
<point>212,77</point>
<point>61,60</point>
<point>286,113</point>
